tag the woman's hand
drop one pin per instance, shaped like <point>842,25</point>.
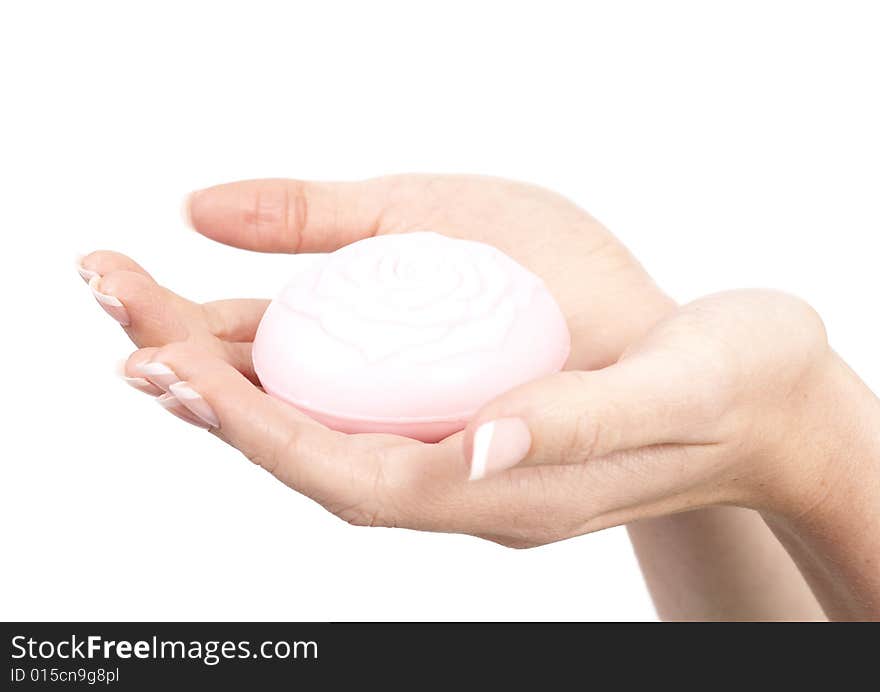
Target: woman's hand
<point>734,399</point>
<point>570,250</point>
<point>714,405</point>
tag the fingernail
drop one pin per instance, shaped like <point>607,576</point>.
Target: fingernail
<point>86,274</point>
<point>111,304</point>
<point>139,383</point>
<point>158,373</point>
<point>499,445</point>
<point>196,404</point>
<point>171,404</point>
<point>186,209</point>
<point>142,385</point>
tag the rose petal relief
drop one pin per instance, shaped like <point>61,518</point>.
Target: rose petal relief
<point>424,300</point>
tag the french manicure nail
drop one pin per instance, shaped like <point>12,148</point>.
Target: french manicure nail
<point>499,445</point>
<point>158,373</point>
<point>111,304</point>
<point>196,404</point>
<point>142,385</point>
<point>86,274</point>
<point>171,404</point>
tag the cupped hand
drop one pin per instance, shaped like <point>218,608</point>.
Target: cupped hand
<point>202,352</point>
<point>708,408</point>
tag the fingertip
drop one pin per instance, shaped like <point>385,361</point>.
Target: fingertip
<point>127,370</point>
<point>109,302</point>
<point>186,210</point>
<point>256,215</point>
<point>123,285</point>
<point>85,273</point>
<point>286,215</point>
<point>151,313</point>
<point>103,262</point>
<point>128,367</point>
<point>210,210</point>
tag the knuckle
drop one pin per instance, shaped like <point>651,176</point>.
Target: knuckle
<point>280,459</point>
<point>526,539</point>
<point>586,436</point>
<point>805,320</point>
<point>362,510</point>
<point>278,211</point>
<point>361,515</point>
<point>398,494</point>
<point>379,501</point>
<point>296,213</point>
<point>510,542</point>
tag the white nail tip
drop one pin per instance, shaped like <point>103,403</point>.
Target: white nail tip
<point>172,404</point>
<point>166,399</point>
<point>482,442</point>
<point>86,274</point>
<point>195,403</point>
<point>153,369</point>
<point>104,298</point>
<point>141,384</point>
<point>182,391</point>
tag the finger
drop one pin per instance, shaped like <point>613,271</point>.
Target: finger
<point>150,314</point>
<point>293,447</point>
<point>231,320</point>
<point>275,215</point>
<point>234,320</point>
<point>131,375</point>
<point>105,261</point>
<point>154,316</point>
<point>571,417</point>
<point>238,355</point>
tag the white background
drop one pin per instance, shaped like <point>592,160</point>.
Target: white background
<point>728,144</point>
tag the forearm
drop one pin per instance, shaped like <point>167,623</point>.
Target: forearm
<point>832,525</point>
<point>720,563</point>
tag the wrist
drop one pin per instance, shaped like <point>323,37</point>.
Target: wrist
<point>827,512</point>
<point>827,445</point>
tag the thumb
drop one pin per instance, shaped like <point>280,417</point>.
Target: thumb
<point>574,416</point>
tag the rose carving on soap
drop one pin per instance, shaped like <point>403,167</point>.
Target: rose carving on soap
<point>407,334</point>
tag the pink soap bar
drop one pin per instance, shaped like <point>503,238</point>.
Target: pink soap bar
<point>407,334</point>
